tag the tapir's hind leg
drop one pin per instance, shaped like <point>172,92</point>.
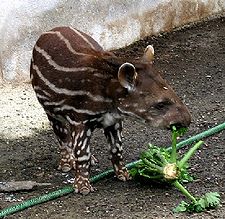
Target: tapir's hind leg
<point>75,151</point>
<point>82,154</point>
<point>63,131</point>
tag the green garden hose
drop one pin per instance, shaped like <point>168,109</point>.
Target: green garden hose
<point>69,189</point>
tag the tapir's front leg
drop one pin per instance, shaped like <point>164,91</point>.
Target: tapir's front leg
<point>113,135</point>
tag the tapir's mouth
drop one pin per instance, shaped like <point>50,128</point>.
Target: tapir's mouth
<point>176,125</point>
<point>177,118</point>
<point>166,125</point>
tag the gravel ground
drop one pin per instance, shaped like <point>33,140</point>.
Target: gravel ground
<point>21,114</point>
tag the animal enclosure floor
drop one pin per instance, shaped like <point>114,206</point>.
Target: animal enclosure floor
<point>192,59</point>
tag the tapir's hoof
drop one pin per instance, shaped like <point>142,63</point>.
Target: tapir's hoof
<point>83,186</point>
<point>123,175</point>
<point>66,165</point>
<point>64,168</point>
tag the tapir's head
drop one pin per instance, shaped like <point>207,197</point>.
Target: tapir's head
<point>146,95</point>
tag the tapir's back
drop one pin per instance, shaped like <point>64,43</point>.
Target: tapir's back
<point>69,41</point>
<point>65,51</point>
<point>65,71</point>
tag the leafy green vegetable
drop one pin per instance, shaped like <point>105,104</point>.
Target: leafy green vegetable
<point>208,201</point>
<point>176,133</point>
<point>180,131</point>
<point>158,163</point>
<point>161,165</point>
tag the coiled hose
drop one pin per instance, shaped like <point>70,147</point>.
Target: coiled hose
<point>69,189</point>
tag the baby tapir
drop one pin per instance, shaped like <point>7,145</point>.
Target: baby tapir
<point>82,87</point>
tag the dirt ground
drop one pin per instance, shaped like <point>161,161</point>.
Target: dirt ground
<point>193,61</point>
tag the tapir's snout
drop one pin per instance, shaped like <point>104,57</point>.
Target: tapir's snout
<point>182,119</point>
<point>178,116</point>
<point>168,115</point>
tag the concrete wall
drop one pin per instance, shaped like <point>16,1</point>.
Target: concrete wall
<point>113,23</point>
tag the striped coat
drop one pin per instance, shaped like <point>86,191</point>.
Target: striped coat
<point>82,87</point>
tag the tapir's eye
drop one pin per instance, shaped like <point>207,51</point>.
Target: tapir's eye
<point>163,104</point>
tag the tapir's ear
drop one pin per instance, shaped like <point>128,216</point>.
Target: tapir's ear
<point>127,76</point>
<point>149,53</point>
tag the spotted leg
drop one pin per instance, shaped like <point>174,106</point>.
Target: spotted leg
<point>81,149</point>
<point>62,129</point>
<point>113,135</point>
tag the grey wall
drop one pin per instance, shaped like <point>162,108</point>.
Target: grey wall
<point>113,23</point>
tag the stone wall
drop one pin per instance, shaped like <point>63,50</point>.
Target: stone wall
<point>113,23</point>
